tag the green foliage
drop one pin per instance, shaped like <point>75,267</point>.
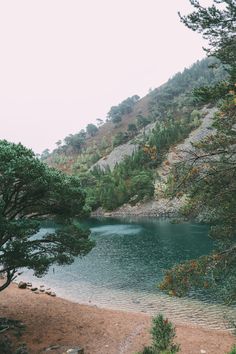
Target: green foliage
<point>170,132</point>
<point>163,333</point>
<point>30,191</point>
<point>233,350</point>
<point>208,176</point>
<point>6,347</point>
<point>111,189</point>
<point>91,129</point>
<point>141,185</point>
<point>218,25</point>
<point>210,186</point>
<point>13,328</point>
<point>125,107</point>
<point>132,129</point>
<point>119,139</point>
<point>142,121</point>
<point>132,179</point>
<point>75,141</point>
<point>176,93</point>
<point>45,154</point>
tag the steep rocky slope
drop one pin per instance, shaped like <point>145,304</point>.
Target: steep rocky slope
<point>160,206</point>
<point>120,152</point>
<point>183,150</point>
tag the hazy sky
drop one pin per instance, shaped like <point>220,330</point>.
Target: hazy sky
<point>64,63</point>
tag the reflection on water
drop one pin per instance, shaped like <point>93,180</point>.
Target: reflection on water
<point>128,261</point>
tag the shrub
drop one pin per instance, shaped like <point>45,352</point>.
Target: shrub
<point>163,333</point>
<point>233,350</point>
<point>119,138</point>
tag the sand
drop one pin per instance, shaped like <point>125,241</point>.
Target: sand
<point>54,321</point>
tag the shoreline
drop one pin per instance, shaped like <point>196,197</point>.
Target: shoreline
<point>178,310</point>
<point>54,321</point>
<point>162,208</point>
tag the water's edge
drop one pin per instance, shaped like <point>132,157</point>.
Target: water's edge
<point>122,271</point>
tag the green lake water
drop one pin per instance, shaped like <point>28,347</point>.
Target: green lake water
<point>129,259</point>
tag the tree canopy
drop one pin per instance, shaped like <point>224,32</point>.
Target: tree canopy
<point>208,176</point>
<point>91,129</point>
<point>125,107</point>
<point>218,25</point>
<point>29,192</point>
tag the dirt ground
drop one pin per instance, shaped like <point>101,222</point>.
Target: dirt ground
<point>54,321</point>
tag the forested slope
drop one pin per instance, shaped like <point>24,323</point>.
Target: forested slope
<point>119,160</point>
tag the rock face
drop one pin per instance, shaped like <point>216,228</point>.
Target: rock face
<point>120,152</point>
<point>116,156</point>
<point>184,150</point>
<point>22,285</point>
<point>159,206</point>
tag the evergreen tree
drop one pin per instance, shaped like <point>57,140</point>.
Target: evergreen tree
<point>29,192</point>
<point>209,176</point>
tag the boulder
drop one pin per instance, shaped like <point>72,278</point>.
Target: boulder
<point>77,350</point>
<point>53,294</point>
<point>34,289</point>
<point>22,285</point>
<point>53,347</point>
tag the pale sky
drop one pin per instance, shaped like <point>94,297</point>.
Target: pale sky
<point>64,63</point>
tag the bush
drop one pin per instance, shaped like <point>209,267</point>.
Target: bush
<point>233,350</point>
<point>163,333</point>
<point>6,347</point>
<point>119,139</point>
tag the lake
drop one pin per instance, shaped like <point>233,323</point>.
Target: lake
<point>128,261</point>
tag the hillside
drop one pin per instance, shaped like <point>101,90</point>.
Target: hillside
<point>78,152</point>
<point>128,159</point>
<point>159,205</point>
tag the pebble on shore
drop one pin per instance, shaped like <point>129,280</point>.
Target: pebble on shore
<point>40,290</point>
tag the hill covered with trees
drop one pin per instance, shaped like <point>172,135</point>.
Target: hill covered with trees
<point>154,123</point>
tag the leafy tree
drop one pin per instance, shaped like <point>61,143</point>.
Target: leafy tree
<point>91,129</point>
<point>218,26</point>
<point>125,107</point>
<point>208,176</point>
<point>142,121</point>
<point>119,138</point>
<point>76,141</point>
<point>45,154</point>
<point>132,129</point>
<point>142,185</point>
<point>116,119</point>
<point>29,192</point>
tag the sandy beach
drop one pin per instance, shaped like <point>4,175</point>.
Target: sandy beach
<point>52,321</point>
